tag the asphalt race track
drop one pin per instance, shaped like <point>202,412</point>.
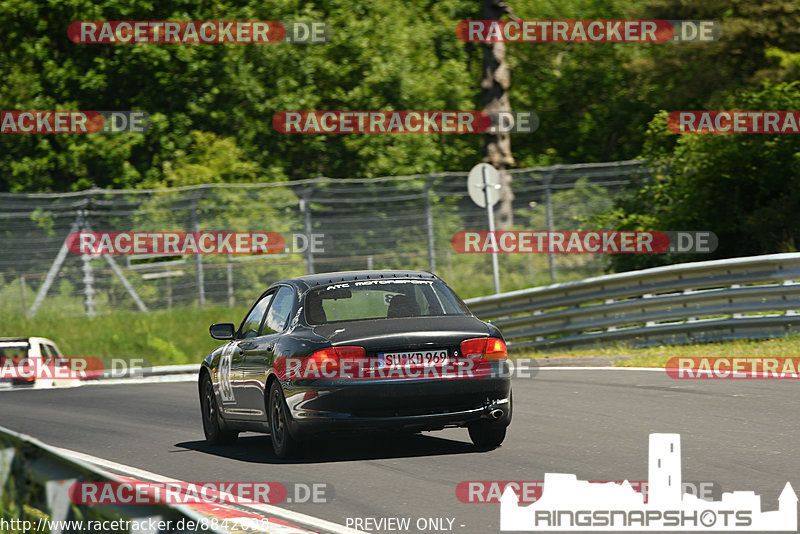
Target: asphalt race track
<point>741,434</point>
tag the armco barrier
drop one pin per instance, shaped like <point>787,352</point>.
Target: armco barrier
<point>42,476</point>
<point>752,297</point>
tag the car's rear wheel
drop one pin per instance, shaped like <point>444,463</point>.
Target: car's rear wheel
<point>284,445</point>
<point>487,435</point>
<point>490,434</point>
<point>213,425</point>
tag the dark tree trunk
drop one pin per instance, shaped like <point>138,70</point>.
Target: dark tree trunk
<point>495,83</point>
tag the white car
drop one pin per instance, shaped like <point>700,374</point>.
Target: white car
<point>21,357</point>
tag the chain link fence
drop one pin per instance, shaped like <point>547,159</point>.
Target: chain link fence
<point>383,223</point>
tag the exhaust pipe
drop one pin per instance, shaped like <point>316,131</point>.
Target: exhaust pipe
<point>497,413</point>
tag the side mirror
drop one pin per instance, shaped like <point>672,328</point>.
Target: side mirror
<point>222,330</point>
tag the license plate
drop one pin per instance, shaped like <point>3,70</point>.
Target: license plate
<point>423,358</point>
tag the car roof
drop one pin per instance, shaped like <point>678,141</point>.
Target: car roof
<point>28,340</point>
<point>313,280</point>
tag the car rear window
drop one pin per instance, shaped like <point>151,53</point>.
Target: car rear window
<point>381,299</point>
<point>13,350</point>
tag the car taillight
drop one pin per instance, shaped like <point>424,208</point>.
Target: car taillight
<point>488,348</point>
<point>351,352</point>
<point>495,349</point>
<point>329,357</point>
<point>473,347</point>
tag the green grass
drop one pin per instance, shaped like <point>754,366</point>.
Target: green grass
<point>161,338</point>
<point>788,346</point>
<point>181,336</point>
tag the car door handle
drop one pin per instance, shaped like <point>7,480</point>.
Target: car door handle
<point>247,346</point>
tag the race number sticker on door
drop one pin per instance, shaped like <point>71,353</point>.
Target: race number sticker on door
<point>225,388</point>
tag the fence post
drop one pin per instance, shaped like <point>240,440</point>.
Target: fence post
<point>198,259</point>
<point>88,285</point>
<point>86,267</point>
<point>55,267</point>
<point>230,284</point>
<point>551,260</point>
<point>305,207</point>
<point>22,290</point>
<point>429,222</point>
<point>6,458</point>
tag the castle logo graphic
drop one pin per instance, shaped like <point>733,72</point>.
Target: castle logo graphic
<point>569,504</point>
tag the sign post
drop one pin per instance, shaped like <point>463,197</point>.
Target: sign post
<point>483,185</point>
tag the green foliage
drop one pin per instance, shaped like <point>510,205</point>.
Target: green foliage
<point>212,105</point>
<point>161,338</point>
<point>743,187</point>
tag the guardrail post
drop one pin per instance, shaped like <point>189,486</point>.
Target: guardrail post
<point>6,459</point>
<point>58,503</point>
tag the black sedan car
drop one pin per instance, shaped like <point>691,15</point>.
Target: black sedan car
<point>356,351</point>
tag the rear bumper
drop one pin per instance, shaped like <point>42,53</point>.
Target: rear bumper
<point>407,405</point>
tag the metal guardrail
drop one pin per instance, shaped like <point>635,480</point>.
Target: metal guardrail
<point>42,477</point>
<point>752,297</point>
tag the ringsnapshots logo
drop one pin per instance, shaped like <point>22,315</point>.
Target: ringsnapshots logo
<point>73,122</point>
<point>588,31</point>
<point>198,32</point>
<point>405,122</point>
<point>569,504</point>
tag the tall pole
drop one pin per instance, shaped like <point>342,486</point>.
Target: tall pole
<point>429,222</point>
<point>495,83</point>
<point>551,258</point>
<point>305,207</point>
<point>198,259</point>
<point>490,214</point>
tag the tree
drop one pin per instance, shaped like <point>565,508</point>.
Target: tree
<point>495,83</point>
<point>743,187</point>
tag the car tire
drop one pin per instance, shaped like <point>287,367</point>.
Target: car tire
<point>213,425</point>
<point>490,434</point>
<point>284,445</point>
<point>487,435</point>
